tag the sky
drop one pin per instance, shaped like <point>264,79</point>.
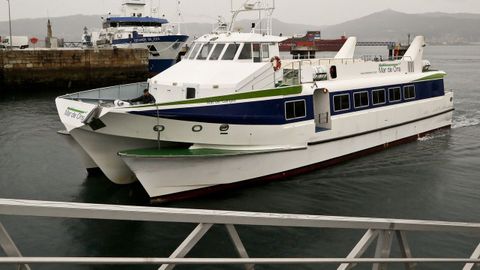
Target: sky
<point>312,12</point>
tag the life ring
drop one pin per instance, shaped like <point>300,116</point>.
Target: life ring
<point>276,62</point>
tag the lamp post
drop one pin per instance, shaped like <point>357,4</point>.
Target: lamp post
<point>10,25</point>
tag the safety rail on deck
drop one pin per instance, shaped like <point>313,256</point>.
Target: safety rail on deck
<point>378,231</point>
<point>111,93</point>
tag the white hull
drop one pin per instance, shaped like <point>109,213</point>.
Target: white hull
<point>103,151</point>
<point>165,176</point>
<point>165,50</point>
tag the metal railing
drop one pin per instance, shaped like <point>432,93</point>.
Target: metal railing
<point>379,232</point>
<point>120,92</point>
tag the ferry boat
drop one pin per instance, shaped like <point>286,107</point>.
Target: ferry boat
<point>233,111</point>
<point>135,30</point>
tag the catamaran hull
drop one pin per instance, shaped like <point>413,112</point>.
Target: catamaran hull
<point>168,179</point>
<point>87,161</point>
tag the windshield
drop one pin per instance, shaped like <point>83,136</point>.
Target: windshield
<point>205,51</point>
<point>217,51</point>
<point>230,52</point>
<point>246,52</point>
<point>195,50</point>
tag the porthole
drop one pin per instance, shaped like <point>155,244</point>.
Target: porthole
<point>197,128</point>
<point>159,128</point>
<point>224,127</point>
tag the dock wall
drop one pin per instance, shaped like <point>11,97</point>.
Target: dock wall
<point>66,69</point>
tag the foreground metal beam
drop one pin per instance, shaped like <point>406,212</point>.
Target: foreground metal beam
<point>117,212</point>
<point>219,261</point>
<point>239,247</point>
<point>360,248</point>
<point>188,244</point>
<point>475,255</point>
<point>9,247</point>
<point>384,247</point>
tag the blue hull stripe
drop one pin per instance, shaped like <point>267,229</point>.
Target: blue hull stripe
<point>272,112</point>
<point>173,38</point>
<point>159,65</point>
<point>267,112</point>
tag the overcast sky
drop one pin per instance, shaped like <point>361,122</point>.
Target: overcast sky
<point>315,12</point>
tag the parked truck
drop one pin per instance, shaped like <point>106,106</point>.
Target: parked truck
<point>18,42</point>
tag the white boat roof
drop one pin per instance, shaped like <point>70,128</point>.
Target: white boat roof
<point>232,37</point>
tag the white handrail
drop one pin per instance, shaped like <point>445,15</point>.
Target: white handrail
<point>158,214</point>
<point>381,230</point>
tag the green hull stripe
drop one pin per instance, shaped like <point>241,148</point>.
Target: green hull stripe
<point>281,91</point>
<point>436,76</point>
<point>175,152</point>
<point>75,110</point>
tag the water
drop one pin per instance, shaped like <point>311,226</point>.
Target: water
<point>434,178</point>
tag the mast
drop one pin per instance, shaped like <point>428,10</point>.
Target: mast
<point>266,7</point>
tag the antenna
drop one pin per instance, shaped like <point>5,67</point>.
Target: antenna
<point>267,7</point>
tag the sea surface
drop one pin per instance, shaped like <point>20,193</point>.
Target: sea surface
<point>437,177</point>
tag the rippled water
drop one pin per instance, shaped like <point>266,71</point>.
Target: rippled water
<point>434,178</point>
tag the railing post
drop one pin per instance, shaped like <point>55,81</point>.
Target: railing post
<point>384,246</point>
<point>188,244</point>
<point>237,242</point>
<point>9,247</point>
<point>405,249</point>
<point>475,255</point>
<point>360,248</point>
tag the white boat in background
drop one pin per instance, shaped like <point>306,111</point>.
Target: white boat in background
<point>136,30</point>
<point>233,111</point>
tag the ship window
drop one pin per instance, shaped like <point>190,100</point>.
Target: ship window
<point>333,72</point>
<point>394,94</point>
<point>341,102</point>
<point>256,53</point>
<point>360,99</point>
<point>191,92</point>
<point>195,50</point>
<point>230,52</point>
<point>409,92</point>
<point>246,52</point>
<point>295,109</point>
<point>378,96</point>
<point>217,51</point>
<point>205,51</point>
<point>265,51</point>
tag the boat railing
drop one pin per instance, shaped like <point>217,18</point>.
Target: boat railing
<point>110,94</point>
<point>379,235</point>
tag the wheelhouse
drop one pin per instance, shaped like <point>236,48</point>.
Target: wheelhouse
<point>133,22</point>
<point>256,52</point>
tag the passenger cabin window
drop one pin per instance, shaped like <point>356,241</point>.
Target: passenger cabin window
<point>230,52</point>
<point>246,52</point>
<point>295,109</point>
<point>341,102</point>
<point>378,96</point>
<point>205,51</point>
<point>409,92</point>
<point>360,99</point>
<point>394,94</point>
<point>257,53</point>
<point>217,51</point>
<point>191,92</point>
<point>265,51</point>
<point>195,50</point>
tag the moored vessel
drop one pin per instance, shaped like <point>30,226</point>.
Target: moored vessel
<point>243,114</point>
<point>134,29</point>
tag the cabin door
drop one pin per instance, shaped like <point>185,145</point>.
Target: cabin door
<point>321,105</point>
